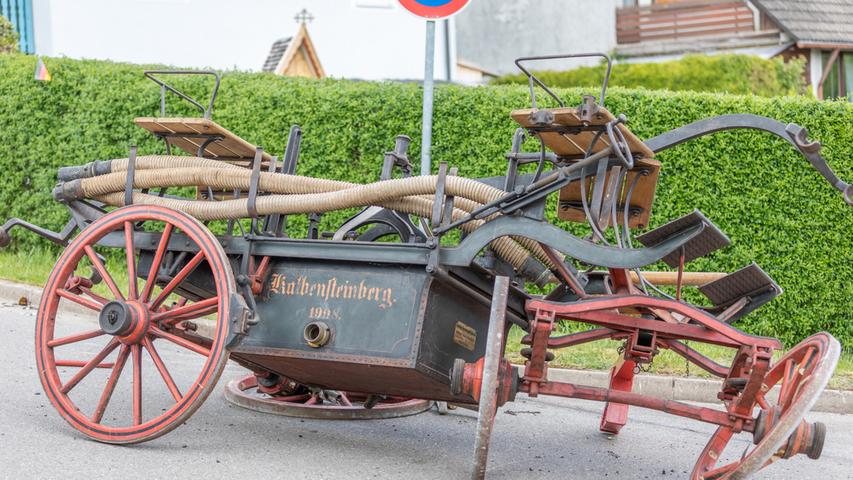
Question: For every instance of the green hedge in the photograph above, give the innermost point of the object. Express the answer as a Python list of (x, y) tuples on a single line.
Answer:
[(737, 74), (777, 210)]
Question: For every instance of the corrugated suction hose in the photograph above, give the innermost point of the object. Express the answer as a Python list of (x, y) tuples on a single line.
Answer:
[(289, 194)]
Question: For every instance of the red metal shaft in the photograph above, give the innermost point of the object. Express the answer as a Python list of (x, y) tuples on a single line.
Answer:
[(680, 409)]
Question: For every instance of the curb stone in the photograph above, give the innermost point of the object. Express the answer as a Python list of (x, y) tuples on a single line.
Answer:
[(669, 388)]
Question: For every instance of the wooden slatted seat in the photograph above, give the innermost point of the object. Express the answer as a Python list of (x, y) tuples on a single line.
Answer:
[(571, 145), (189, 134), (569, 138)]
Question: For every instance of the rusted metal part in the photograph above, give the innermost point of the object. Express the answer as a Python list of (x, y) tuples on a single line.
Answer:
[(579, 338), (244, 392), (564, 274), (467, 379), (615, 415), (535, 368), (707, 328), (568, 390), (260, 276), (488, 398), (695, 357)]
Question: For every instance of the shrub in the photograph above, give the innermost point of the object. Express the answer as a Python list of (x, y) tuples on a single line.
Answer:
[(775, 207), (736, 74), (8, 36)]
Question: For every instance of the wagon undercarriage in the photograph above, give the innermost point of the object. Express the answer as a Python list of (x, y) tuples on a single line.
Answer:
[(343, 316)]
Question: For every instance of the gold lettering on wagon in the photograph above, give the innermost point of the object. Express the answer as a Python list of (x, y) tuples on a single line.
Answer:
[(331, 289), (464, 336)]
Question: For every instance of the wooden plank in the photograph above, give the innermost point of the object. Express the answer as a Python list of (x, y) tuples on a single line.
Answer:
[(707, 26), (694, 34), (185, 144), (676, 6), (642, 197), (216, 149), (659, 22), (682, 17), (694, 279), (574, 144), (230, 147), (180, 125), (689, 20)]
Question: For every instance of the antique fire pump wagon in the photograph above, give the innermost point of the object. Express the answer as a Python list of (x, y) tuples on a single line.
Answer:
[(413, 297)]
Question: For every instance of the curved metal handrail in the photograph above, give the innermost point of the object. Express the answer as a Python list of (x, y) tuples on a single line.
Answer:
[(792, 133), (531, 78), (150, 74), (562, 241)]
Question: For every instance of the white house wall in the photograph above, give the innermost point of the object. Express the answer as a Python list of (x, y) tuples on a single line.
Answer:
[(365, 39), (492, 33)]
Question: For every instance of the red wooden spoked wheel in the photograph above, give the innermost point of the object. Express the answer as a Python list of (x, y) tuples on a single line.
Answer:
[(780, 431), (109, 380)]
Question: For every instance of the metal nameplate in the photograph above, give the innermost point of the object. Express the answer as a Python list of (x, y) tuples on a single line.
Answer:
[(464, 336)]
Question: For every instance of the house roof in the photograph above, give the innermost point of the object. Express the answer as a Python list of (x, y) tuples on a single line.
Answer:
[(295, 56), (276, 52), (812, 23)]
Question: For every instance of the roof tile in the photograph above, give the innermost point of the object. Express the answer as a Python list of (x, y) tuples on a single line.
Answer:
[(815, 21)]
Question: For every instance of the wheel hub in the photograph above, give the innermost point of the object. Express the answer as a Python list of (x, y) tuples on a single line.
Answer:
[(807, 439), (129, 321)]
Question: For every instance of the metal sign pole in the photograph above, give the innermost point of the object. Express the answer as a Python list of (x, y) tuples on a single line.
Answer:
[(426, 129)]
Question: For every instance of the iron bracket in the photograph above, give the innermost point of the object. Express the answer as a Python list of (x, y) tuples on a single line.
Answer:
[(440, 197), (242, 318), (131, 172), (251, 202), (60, 238)]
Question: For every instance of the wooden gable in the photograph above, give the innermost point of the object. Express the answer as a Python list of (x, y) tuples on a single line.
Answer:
[(300, 59)]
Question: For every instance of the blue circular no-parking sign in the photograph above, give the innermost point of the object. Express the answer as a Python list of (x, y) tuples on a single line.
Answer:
[(434, 9)]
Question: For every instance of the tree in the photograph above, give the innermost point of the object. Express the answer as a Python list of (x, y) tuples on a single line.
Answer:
[(8, 36)]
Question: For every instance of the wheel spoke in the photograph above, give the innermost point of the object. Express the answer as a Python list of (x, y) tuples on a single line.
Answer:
[(188, 312), (88, 367), (155, 264), (193, 316), (161, 367), (56, 342), (132, 286), (797, 377), (90, 304), (136, 351), (99, 266), (111, 384), (180, 341), (808, 357), (718, 472), (183, 274), (94, 296), (80, 363), (785, 389)]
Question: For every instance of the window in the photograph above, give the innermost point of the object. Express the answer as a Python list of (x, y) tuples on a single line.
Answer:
[(839, 82)]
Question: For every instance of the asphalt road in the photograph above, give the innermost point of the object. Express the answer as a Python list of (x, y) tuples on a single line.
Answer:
[(541, 438)]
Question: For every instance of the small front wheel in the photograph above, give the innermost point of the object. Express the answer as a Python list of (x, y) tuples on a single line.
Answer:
[(788, 392)]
